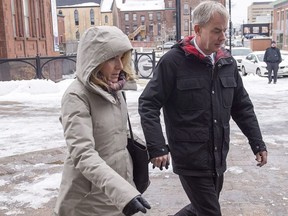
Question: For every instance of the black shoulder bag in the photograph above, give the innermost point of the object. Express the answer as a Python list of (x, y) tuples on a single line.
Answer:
[(140, 159)]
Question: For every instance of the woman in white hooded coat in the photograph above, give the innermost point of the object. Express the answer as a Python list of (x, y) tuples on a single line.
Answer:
[(97, 176)]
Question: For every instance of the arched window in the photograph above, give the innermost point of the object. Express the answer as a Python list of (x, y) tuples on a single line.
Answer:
[(77, 35), (92, 17), (76, 17), (106, 19), (186, 9), (60, 12), (27, 17)]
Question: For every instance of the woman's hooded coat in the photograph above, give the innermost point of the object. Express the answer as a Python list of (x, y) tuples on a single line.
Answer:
[(97, 175)]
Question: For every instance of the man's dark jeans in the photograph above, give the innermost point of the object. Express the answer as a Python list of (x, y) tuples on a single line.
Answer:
[(203, 193)]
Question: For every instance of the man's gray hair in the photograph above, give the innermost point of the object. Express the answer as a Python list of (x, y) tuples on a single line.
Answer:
[(205, 11)]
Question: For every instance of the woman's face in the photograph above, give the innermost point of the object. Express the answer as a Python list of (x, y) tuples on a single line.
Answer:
[(112, 68)]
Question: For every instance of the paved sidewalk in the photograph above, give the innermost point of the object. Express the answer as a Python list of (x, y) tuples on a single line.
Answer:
[(248, 190)]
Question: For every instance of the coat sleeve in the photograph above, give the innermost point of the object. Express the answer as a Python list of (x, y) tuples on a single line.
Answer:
[(243, 114), (78, 132), (151, 101), (265, 56), (280, 57)]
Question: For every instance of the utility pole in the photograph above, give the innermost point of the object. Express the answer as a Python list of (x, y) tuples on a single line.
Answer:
[(230, 26), (271, 24), (190, 21), (178, 20)]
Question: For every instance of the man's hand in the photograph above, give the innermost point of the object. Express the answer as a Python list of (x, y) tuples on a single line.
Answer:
[(261, 157), (161, 161), (137, 204)]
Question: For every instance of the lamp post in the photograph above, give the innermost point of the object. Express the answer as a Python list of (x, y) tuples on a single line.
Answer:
[(230, 25), (190, 21), (178, 20), (271, 22)]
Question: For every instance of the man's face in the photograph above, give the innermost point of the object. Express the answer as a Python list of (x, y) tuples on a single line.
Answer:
[(273, 44), (211, 36)]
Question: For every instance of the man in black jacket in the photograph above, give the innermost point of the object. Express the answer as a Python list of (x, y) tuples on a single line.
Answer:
[(272, 58), (199, 88)]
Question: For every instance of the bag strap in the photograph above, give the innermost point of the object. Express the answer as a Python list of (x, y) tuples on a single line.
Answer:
[(129, 123)]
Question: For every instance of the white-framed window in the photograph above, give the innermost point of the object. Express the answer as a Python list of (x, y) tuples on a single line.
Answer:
[(186, 25), (186, 9), (142, 18), (126, 16), (150, 16), (127, 29), (159, 16), (134, 17)]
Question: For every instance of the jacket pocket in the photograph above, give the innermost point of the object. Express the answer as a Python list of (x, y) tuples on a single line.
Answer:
[(190, 94), (226, 141), (191, 148), (228, 84)]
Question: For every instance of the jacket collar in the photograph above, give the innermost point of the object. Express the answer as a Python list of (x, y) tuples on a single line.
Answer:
[(188, 46)]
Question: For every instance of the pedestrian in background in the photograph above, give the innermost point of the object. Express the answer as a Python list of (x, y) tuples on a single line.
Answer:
[(272, 58), (198, 85), (97, 176), (242, 40)]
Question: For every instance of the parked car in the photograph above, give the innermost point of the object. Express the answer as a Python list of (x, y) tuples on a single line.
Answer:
[(234, 43), (238, 43), (166, 45), (253, 63), (250, 36), (239, 53), (284, 55)]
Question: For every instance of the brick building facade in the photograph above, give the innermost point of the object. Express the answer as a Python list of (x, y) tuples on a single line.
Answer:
[(77, 18), (26, 29), (157, 25), (140, 20), (26, 32), (280, 23)]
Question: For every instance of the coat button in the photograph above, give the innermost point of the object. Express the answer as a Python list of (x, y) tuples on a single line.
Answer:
[(213, 92), (215, 121)]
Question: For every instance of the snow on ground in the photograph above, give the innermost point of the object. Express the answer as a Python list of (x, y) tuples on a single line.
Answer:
[(32, 130), (29, 122)]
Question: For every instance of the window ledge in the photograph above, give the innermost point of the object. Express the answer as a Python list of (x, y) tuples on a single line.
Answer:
[(19, 38), (31, 38)]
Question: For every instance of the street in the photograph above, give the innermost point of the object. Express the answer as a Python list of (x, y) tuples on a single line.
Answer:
[(248, 190)]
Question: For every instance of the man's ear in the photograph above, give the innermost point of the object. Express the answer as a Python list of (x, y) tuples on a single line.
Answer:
[(197, 29)]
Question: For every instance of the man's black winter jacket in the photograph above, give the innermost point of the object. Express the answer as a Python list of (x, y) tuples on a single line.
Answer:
[(197, 100)]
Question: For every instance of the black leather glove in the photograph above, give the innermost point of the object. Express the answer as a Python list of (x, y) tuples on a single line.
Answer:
[(137, 204)]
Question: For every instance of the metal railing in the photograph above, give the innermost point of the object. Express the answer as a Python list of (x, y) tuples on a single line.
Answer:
[(55, 67), (36, 68), (144, 63)]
